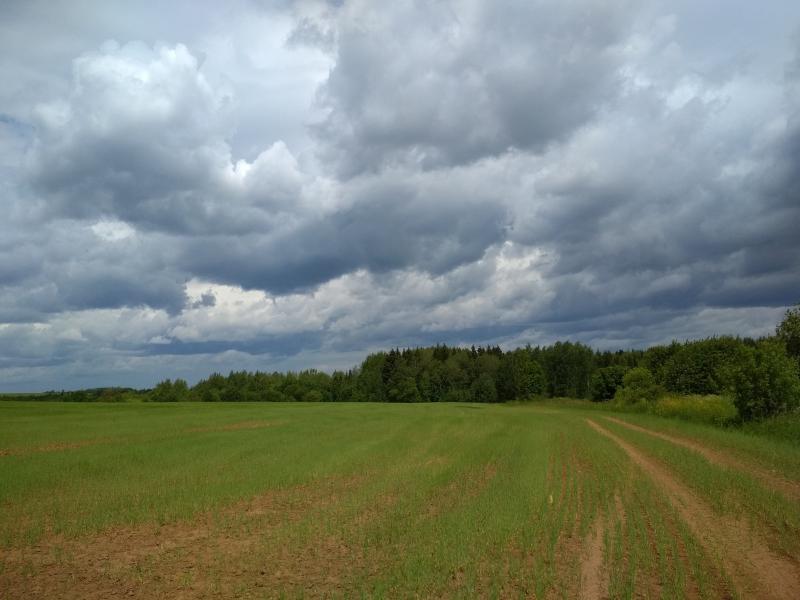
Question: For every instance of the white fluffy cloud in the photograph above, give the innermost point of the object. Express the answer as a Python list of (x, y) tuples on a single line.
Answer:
[(143, 138)]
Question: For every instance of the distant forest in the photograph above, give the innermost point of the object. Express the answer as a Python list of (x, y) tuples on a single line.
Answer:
[(760, 375)]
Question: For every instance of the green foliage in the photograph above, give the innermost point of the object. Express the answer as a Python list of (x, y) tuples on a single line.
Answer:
[(242, 386), (699, 367), (105, 394), (656, 358), (783, 427), (765, 381), (620, 358), (788, 331), (605, 382), (342, 387), (313, 396), (638, 385), (404, 389), (370, 378), (170, 391), (484, 389), (567, 367), (714, 410), (520, 376), (437, 374)]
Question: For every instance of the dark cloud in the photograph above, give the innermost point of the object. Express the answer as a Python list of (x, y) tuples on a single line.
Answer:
[(429, 85), (139, 139), (680, 227), (275, 346), (387, 227)]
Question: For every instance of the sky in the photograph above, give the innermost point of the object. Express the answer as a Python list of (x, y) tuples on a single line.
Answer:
[(191, 187)]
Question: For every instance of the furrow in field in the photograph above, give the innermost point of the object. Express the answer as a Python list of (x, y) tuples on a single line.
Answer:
[(755, 569), (712, 455), (594, 583)]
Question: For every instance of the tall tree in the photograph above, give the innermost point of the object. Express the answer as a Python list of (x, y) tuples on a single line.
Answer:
[(788, 330)]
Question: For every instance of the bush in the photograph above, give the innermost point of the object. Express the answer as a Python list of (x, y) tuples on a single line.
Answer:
[(699, 367), (765, 382), (656, 358), (638, 385), (313, 396), (715, 410), (604, 382)]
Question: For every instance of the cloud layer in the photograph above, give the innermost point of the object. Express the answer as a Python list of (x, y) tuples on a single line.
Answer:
[(294, 184)]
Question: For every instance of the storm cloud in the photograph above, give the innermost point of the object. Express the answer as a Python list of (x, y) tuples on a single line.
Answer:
[(438, 84), (294, 184)]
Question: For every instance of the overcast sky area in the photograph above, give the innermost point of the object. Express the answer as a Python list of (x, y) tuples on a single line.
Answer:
[(190, 187)]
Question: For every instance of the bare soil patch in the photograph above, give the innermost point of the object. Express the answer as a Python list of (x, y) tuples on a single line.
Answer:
[(756, 570), (247, 550), (54, 447), (718, 457), (594, 583), (240, 426)]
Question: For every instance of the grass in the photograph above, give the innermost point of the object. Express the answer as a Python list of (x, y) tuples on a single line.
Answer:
[(728, 490), (264, 500), (784, 427), (770, 452), (714, 410)]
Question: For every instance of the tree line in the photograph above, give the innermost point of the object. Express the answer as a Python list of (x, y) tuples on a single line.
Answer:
[(761, 375)]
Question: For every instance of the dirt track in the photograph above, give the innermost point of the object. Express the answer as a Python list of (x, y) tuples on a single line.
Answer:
[(789, 488), (756, 570)]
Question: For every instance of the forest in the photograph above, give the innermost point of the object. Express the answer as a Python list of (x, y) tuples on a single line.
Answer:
[(760, 376)]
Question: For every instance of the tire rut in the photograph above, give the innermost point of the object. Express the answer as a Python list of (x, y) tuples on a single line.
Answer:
[(754, 568), (787, 487), (594, 583)]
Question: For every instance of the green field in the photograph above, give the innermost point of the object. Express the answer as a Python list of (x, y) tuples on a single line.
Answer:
[(381, 500)]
